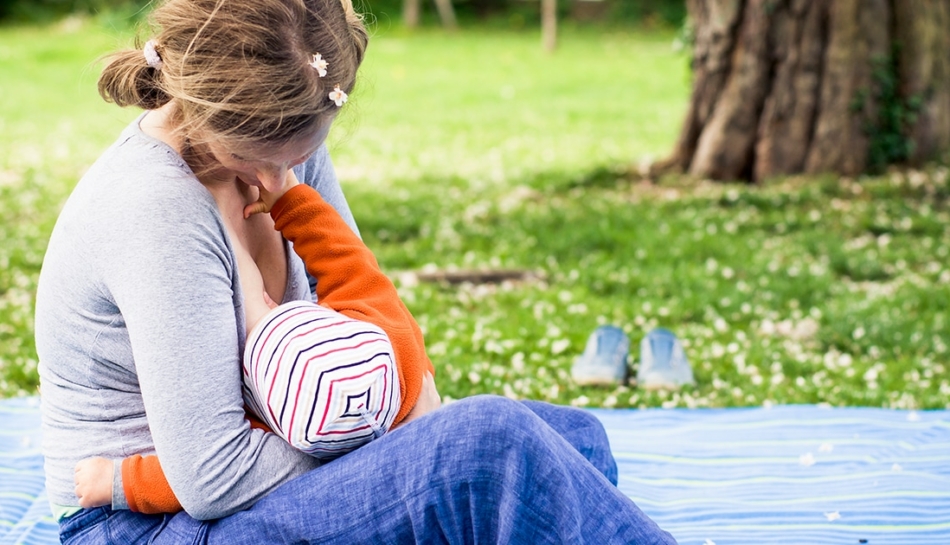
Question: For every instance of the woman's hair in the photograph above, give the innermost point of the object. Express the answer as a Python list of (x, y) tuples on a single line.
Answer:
[(240, 69)]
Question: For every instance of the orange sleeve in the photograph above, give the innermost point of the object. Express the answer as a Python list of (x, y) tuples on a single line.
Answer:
[(145, 486), (350, 281)]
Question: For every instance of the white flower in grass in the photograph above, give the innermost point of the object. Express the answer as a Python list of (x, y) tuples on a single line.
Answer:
[(338, 96), (807, 459), (720, 325), (320, 65), (833, 516), (581, 401), (560, 346), (826, 447), (897, 468)]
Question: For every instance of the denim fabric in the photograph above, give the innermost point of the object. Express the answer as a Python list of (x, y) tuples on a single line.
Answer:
[(481, 470)]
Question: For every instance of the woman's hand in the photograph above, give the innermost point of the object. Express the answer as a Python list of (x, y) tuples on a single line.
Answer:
[(268, 198), (93, 480), (429, 400)]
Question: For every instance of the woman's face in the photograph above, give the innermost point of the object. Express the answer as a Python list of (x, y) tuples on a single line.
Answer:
[(266, 166)]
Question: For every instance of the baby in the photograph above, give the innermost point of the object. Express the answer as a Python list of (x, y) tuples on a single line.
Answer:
[(325, 377), (324, 382)]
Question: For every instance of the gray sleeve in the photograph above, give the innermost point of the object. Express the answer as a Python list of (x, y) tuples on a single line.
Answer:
[(170, 272), (318, 173)]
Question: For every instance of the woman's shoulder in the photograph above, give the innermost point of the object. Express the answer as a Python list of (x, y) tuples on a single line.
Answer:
[(140, 189), (137, 156), (141, 174)]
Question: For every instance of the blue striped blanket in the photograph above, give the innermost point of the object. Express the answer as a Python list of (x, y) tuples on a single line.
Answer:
[(785, 475)]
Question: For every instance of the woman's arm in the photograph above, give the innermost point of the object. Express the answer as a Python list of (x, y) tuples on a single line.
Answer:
[(143, 484)]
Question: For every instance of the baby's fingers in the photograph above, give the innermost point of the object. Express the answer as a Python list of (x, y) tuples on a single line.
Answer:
[(258, 207)]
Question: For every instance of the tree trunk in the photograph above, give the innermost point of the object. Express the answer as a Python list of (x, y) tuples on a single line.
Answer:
[(549, 25), (446, 14), (410, 13), (921, 29), (789, 86)]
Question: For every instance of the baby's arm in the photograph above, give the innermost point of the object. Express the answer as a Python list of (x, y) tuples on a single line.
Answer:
[(144, 484)]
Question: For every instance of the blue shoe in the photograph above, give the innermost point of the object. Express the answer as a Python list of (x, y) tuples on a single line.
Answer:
[(604, 361), (663, 364)]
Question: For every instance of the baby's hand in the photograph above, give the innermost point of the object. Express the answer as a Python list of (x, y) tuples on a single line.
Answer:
[(94, 482), (429, 400), (268, 198)]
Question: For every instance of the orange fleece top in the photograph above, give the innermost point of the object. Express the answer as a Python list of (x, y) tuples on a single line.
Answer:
[(350, 282)]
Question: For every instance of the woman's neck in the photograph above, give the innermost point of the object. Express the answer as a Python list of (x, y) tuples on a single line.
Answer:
[(159, 124)]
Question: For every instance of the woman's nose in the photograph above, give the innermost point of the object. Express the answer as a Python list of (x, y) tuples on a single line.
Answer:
[(272, 179)]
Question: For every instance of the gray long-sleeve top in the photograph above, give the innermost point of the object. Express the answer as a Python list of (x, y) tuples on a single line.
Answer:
[(140, 327)]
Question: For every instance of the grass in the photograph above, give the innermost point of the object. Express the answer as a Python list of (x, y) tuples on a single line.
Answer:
[(476, 150)]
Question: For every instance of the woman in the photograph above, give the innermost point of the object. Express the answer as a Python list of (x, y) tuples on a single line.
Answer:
[(140, 320)]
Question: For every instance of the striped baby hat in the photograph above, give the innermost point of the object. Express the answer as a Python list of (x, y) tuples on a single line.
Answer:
[(324, 382)]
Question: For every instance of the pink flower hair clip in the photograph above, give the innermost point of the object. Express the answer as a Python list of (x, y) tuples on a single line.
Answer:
[(338, 96), (152, 58), (319, 64)]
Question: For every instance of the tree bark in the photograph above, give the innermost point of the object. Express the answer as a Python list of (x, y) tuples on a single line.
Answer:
[(789, 86), (446, 14), (549, 25), (857, 34), (923, 38), (785, 129), (410, 12)]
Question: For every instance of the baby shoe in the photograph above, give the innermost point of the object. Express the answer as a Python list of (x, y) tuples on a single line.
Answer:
[(604, 361), (663, 364)]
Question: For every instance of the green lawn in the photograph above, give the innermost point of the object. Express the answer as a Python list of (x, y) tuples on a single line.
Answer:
[(477, 150)]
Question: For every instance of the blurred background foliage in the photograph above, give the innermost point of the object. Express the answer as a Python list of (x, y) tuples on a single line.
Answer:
[(514, 13), (40, 11), (810, 289)]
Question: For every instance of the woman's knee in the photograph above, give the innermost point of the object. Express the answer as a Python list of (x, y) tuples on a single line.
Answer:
[(566, 419), (584, 431), (485, 433), (485, 428), (488, 416)]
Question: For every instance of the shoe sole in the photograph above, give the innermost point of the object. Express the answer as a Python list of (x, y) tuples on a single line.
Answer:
[(597, 381)]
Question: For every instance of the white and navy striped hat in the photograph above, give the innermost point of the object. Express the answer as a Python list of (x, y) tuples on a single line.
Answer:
[(324, 382)]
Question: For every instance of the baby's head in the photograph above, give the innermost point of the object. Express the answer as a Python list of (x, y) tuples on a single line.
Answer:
[(243, 73), (324, 382)]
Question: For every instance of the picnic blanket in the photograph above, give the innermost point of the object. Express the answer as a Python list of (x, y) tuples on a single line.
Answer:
[(796, 475)]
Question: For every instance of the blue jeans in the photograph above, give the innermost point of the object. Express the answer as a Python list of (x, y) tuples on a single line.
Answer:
[(481, 470)]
